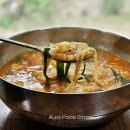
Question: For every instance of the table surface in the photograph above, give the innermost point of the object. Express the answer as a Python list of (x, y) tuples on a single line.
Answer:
[(12, 121)]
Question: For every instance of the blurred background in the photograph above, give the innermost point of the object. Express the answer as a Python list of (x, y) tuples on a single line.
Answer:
[(22, 15)]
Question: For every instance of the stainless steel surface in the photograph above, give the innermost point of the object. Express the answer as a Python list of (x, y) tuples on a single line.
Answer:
[(5, 40), (98, 107)]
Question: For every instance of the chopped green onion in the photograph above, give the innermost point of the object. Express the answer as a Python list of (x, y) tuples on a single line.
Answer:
[(84, 68), (46, 58), (60, 70), (87, 76), (119, 78), (67, 69)]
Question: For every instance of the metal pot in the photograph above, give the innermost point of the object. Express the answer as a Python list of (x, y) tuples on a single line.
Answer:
[(67, 110)]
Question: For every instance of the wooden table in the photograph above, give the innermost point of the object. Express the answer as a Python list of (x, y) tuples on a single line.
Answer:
[(12, 121)]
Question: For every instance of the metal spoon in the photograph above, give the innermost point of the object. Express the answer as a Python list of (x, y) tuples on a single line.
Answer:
[(30, 46), (21, 44)]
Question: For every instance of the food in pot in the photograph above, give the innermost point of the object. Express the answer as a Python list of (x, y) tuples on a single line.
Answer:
[(67, 67)]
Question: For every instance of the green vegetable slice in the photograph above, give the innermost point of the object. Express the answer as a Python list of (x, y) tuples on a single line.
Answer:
[(46, 63)]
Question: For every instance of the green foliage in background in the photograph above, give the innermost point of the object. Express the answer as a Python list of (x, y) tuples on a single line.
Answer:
[(40, 13), (112, 7), (28, 9), (39, 7)]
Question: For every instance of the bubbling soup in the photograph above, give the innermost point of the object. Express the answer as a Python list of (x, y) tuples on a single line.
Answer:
[(67, 67)]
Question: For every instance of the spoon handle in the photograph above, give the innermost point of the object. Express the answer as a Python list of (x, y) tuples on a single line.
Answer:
[(20, 44)]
